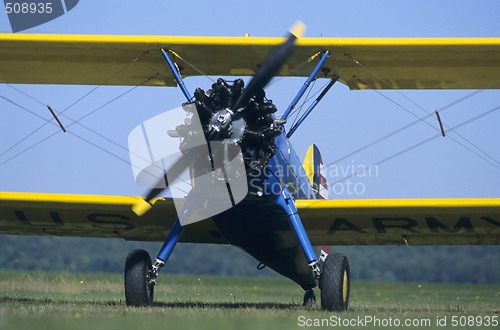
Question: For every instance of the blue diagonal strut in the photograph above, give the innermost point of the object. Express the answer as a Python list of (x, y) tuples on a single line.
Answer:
[(177, 76)]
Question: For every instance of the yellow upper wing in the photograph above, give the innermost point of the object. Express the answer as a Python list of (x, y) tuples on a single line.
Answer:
[(420, 63), (334, 222), (402, 221)]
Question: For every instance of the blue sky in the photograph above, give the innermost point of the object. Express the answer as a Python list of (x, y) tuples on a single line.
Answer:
[(343, 122)]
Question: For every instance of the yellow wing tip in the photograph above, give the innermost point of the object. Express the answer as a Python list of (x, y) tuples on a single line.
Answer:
[(141, 207), (298, 29)]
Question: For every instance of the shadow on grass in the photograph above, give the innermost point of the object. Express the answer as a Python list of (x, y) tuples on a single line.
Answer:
[(227, 305), (164, 305), (375, 308), (44, 301)]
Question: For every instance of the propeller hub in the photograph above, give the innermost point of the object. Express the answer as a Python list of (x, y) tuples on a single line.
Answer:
[(229, 129), (221, 121)]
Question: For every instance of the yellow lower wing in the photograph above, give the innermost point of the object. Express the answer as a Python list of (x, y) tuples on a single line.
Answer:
[(328, 222), (95, 216), (402, 221)]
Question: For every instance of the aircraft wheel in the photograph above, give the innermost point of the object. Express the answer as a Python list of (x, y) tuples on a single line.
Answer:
[(309, 299), (334, 283), (138, 291)]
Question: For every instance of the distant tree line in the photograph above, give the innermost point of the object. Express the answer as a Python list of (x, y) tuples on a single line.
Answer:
[(454, 264)]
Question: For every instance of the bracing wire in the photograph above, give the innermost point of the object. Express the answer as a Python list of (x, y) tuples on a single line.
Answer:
[(421, 143), (77, 121), (70, 106), (306, 99), (481, 153), (191, 65)]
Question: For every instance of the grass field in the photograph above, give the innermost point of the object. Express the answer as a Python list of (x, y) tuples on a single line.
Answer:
[(96, 301)]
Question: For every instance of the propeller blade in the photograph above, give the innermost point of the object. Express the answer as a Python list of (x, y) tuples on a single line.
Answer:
[(271, 66), (176, 169)]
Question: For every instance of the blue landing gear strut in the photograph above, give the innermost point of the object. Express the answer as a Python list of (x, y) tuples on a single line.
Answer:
[(166, 250), (333, 276), (285, 200)]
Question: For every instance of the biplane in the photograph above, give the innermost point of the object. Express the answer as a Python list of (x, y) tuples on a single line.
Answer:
[(246, 185)]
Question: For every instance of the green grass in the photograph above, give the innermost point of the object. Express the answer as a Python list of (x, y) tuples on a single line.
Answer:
[(96, 301)]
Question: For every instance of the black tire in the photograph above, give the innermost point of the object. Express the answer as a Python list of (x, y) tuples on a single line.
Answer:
[(334, 283), (309, 299), (138, 291)]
